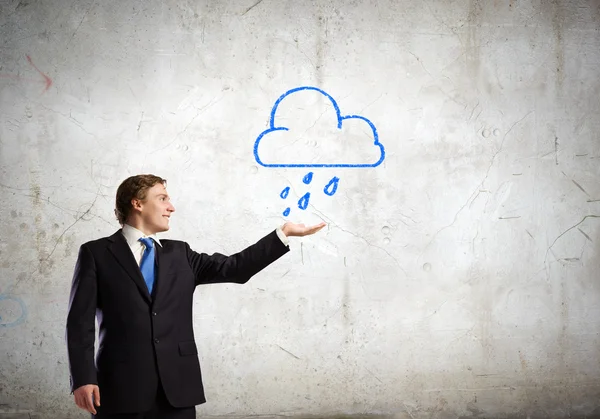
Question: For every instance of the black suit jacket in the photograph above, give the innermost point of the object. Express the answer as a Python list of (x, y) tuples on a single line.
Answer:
[(144, 338)]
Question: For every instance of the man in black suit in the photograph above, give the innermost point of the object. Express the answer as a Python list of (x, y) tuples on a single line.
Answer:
[(140, 289)]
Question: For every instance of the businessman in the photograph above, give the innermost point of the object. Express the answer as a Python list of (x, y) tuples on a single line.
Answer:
[(140, 290)]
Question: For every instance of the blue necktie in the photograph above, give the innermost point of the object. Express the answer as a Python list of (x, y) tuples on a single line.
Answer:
[(147, 264)]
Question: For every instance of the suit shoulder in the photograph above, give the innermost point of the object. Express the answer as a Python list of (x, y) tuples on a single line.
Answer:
[(175, 244), (100, 242)]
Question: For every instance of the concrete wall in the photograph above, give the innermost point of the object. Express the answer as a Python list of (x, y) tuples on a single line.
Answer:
[(457, 278)]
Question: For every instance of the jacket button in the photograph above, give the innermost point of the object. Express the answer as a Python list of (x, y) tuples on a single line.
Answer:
[(154, 313), (156, 340)]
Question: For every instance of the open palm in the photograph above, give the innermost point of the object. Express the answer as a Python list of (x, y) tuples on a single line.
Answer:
[(293, 229)]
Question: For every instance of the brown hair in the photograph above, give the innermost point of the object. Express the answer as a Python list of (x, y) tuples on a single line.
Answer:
[(134, 187)]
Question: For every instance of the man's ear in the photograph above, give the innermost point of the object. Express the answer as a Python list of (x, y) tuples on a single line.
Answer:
[(136, 204)]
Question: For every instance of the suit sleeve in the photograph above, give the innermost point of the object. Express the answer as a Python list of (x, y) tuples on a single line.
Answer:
[(239, 267), (80, 330)]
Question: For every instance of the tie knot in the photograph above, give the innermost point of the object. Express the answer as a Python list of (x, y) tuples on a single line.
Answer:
[(147, 241)]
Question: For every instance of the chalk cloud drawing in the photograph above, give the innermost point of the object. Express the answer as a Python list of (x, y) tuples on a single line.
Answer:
[(339, 122), (8, 304), (360, 132)]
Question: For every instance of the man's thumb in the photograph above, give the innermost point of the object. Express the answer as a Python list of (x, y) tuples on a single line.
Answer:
[(97, 396)]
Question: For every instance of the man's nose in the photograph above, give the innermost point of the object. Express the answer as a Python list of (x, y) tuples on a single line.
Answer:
[(171, 207)]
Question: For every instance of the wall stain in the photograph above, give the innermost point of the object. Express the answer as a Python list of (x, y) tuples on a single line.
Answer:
[(38, 208), (321, 27), (346, 302), (69, 245), (559, 50), (523, 362), (472, 46)]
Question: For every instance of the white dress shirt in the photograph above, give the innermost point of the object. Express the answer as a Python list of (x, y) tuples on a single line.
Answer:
[(133, 235), (282, 236)]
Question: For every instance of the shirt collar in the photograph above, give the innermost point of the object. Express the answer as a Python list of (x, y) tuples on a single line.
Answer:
[(132, 235)]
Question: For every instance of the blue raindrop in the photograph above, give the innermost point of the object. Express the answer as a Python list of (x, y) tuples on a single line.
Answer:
[(332, 186), (308, 178), (284, 194), (303, 202), (286, 212)]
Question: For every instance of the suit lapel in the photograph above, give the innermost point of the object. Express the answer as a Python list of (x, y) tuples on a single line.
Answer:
[(121, 251)]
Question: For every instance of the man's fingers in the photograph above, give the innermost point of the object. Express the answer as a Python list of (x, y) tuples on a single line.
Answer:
[(86, 396), (97, 396), (314, 229), (291, 229), (81, 403), (89, 403)]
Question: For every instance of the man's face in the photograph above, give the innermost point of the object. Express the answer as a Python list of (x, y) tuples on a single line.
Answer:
[(155, 210)]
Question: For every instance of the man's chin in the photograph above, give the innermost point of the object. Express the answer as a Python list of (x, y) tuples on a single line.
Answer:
[(162, 228)]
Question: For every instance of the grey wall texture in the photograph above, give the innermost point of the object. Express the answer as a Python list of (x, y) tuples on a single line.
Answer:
[(458, 274)]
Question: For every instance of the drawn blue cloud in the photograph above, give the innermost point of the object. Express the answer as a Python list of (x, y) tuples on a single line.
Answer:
[(20, 319), (340, 119)]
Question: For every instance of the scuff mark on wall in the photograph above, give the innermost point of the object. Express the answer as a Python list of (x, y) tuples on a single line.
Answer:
[(473, 41), (559, 51)]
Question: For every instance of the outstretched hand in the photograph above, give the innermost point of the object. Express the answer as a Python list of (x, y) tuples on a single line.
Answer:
[(292, 229)]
